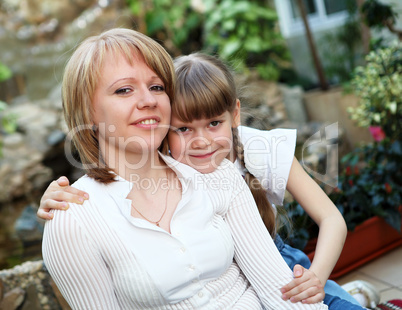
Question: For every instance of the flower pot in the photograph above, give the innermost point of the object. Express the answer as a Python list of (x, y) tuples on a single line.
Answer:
[(369, 240)]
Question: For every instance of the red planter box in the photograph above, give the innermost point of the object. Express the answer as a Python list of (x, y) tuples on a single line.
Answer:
[(369, 240)]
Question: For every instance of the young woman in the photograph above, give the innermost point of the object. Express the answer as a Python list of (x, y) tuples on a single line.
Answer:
[(155, 234)]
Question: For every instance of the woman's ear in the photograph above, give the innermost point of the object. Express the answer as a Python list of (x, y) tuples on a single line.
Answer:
[(236, 115)]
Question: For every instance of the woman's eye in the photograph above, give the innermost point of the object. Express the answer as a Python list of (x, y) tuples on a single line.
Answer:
[(158, 88), (123, 91), (214, 123)]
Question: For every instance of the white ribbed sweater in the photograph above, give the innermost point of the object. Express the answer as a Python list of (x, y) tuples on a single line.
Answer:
[(102, 258)]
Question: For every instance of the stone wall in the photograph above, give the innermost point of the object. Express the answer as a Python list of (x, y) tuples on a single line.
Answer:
[(36, 39), (29, 287)]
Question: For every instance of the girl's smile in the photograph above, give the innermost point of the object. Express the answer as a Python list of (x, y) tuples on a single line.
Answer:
[(203, 143)]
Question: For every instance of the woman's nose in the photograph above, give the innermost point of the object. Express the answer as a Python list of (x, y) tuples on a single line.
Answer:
[(147, 100)]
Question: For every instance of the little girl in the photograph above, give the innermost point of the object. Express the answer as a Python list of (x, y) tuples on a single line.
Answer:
[(205, 130)]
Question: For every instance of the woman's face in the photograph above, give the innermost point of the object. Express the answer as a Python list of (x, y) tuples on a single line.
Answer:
[(131, 108)]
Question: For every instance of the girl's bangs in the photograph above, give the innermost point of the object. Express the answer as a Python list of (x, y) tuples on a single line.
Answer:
[(200, 98)]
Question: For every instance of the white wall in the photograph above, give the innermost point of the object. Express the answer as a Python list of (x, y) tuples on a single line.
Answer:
[(320, 25)]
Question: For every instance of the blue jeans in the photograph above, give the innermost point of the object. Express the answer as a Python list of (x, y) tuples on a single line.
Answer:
[(336, 298)]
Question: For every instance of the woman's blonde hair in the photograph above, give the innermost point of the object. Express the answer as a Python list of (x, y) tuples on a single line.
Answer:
[(205, 88), (80, 80)]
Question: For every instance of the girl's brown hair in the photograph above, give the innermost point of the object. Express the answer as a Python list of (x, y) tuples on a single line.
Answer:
[(205, 88), (80, 80)]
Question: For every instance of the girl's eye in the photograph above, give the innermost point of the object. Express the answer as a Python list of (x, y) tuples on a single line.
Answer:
[(123, 91), (214, 123), (182, 129), (159, 88)]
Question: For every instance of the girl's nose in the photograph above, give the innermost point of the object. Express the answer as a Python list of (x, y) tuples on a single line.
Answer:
[(147, 100), (201, 141)]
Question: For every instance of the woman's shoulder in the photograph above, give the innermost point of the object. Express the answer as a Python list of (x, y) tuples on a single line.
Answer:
[(90, 186), (86, 183)]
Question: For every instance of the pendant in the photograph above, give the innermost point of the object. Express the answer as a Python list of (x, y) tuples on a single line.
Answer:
[(157, 224)]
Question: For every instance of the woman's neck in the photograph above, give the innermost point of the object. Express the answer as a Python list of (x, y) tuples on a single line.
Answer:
[(136, 165)]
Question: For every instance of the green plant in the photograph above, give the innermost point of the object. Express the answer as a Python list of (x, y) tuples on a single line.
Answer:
[(246, 31), (8, 122), (379, 87), (380, 15), (342, 48), (297, 227), (5, 72), (243, 32), (173, 22), (370, 184)]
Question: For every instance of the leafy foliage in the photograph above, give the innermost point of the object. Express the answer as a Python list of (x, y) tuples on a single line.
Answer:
[(8, 122), (247, 31), (244, 32), (377, 13), (342, 48), (297, 227), (379, 87), (5, 72), (174, 22), (370, 184)]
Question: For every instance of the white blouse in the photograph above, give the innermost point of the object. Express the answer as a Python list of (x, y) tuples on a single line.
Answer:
[(103, 258)]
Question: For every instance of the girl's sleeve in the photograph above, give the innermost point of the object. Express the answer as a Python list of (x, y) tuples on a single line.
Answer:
[(268, 155), (75, 264), (256, 253)]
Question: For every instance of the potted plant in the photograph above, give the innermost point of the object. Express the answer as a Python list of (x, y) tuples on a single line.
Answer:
[(369, 191), (379, 87), (369, 196)]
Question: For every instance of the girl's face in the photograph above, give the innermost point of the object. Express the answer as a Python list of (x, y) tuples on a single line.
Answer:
[(203, 144), (131, 108)]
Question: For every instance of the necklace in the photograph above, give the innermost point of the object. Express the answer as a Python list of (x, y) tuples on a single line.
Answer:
[(164, 211)]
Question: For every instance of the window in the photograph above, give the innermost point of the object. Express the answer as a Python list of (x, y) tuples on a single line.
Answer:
[(332, 6), (322, 14), (308, 4)]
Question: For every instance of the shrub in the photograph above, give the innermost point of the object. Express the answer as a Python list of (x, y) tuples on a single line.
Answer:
[(244, 32), (379, 87), (370, 184)]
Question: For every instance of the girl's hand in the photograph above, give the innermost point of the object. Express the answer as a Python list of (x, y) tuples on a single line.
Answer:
[(306, 287), (57, 196)]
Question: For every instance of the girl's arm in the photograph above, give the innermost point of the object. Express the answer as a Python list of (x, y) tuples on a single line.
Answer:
[(57, 196), (332, 226), (256, 253)]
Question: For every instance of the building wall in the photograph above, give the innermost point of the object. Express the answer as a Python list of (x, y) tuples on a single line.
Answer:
[(321, 26)]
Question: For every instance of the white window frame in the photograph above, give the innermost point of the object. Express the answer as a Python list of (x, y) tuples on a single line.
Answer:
[(319, 21)]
